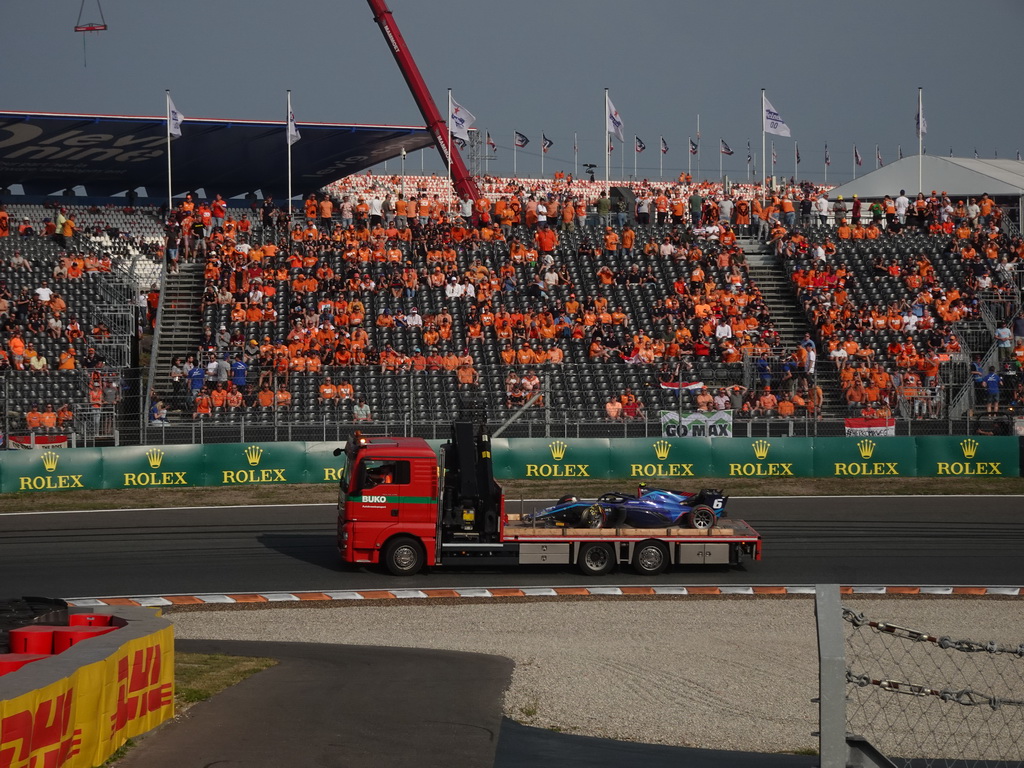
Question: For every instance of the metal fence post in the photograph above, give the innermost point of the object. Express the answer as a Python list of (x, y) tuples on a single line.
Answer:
[(828, 613)]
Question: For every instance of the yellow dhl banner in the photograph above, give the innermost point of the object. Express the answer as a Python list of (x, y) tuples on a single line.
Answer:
[(78, 722)]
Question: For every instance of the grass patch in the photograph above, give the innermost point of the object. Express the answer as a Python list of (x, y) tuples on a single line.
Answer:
[(199, 676)]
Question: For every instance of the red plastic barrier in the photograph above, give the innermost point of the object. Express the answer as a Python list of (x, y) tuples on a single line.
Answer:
[(35, 638), (65, 637), (89, 620), (9, 662)]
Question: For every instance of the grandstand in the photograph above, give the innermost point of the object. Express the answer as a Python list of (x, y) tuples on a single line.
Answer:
[(269, 328)]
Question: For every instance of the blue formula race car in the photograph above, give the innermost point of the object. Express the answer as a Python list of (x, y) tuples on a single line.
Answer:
[(649, 508)]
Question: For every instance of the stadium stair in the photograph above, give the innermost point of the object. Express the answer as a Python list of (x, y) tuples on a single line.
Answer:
[(766, 270), (181, 320)]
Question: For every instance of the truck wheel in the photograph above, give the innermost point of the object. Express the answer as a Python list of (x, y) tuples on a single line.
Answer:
[(702, 516), (650, 558), (596, 559), (403, 557)]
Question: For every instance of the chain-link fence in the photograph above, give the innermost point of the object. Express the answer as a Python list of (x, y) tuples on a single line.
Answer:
[(108, 406), (925, 699)]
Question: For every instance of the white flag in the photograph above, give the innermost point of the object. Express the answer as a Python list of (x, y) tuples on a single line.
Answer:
[(461, 121), (174, 118), (293, 129), (922, 124), (614, 121), (773, 122)]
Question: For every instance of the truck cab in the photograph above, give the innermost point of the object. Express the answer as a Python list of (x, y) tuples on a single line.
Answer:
[(401, 502)]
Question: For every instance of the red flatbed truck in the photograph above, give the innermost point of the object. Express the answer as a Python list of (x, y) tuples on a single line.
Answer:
[(406, 506)]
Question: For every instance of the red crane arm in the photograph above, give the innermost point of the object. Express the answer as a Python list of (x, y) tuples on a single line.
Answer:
[(465, 185)]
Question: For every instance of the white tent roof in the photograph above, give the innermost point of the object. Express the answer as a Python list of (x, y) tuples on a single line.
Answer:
[(958, 176)]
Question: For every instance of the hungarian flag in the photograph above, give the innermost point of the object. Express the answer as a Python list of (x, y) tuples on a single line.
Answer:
[(640, 146), (866, 427), (521, 140), (724, 149)]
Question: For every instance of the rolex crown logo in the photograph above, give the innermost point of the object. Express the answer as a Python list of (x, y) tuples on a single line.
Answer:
[(155, 457), (866, 448), (761, 449), (661, 449), (50, 460), (558, 448), (253, 454), (969, 447)]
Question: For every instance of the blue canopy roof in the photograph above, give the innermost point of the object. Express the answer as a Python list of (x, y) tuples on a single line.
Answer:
[(108, 154)]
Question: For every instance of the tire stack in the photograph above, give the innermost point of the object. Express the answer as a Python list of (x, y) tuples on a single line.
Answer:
[(22, 611)]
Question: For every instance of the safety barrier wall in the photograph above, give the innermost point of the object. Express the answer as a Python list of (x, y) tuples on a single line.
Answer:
[(76, 708), (234, 464)]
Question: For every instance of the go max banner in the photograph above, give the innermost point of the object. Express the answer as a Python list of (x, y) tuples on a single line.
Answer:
[(698, 424)]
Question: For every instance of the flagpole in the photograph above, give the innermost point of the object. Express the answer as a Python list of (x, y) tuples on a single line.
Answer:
[(796, 161), (698, 149), (543, 152), (773, 158), (764, 179), (825, 160), (661, 158), (604, 130), (515, 155), (170, 193), (575, 156), (689, 155), (288, 140), (634, 157), (720, 159), (448, 122), (855, 161), (920, 139)]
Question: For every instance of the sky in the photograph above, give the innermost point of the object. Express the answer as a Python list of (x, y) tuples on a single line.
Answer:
[(838, 73)]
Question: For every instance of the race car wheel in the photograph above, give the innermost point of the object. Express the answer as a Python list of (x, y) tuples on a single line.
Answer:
[(403, 557), (650, 558), (596, 559), (592, 517), (702, 516)]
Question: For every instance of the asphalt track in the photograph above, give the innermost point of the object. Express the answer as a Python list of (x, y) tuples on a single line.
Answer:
[(916, 541)]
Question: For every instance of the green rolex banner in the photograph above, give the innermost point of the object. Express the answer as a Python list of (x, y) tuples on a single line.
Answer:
[(548, 459), (154, 466), (762, 457), (865, 457), (63, 469), (968, 456), (661, 461), (255, 463)]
